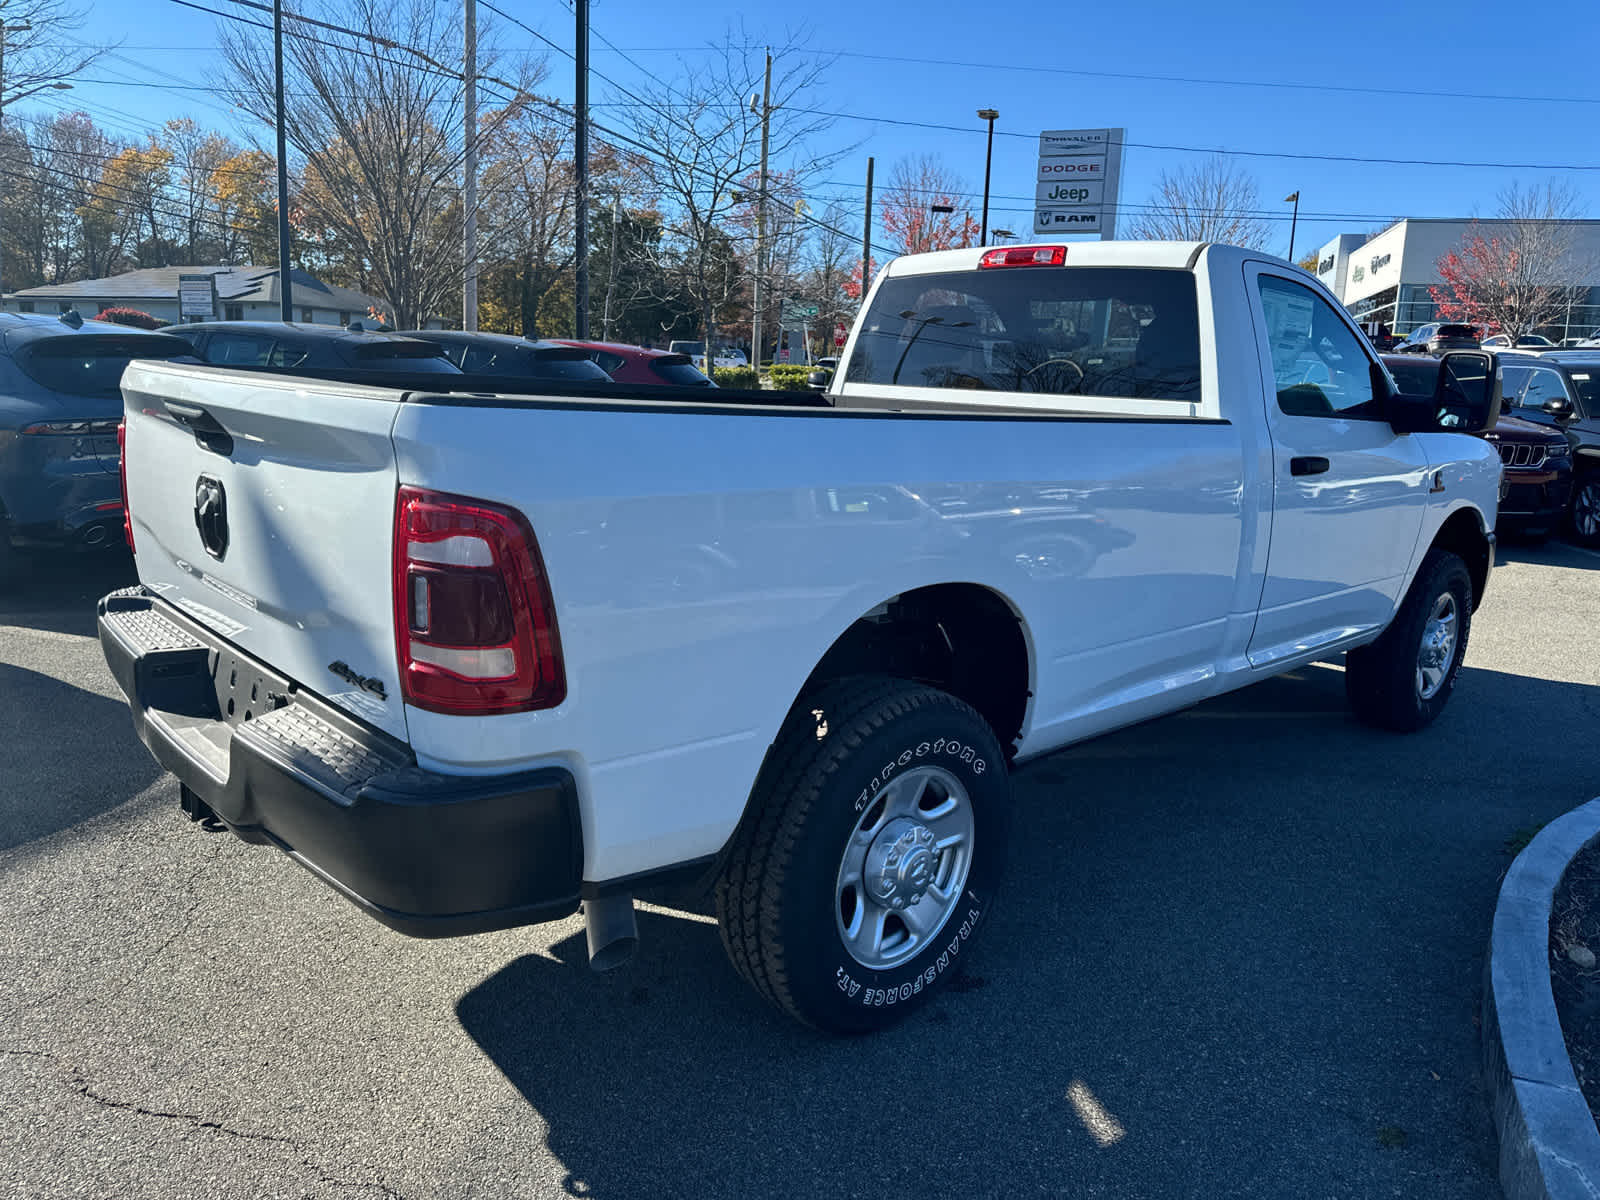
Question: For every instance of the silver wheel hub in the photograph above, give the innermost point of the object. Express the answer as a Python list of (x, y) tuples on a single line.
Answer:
[(904, 867), (1437, 653), (902, 862)]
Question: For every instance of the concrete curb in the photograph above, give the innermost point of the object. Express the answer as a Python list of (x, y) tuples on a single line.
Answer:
[(1549, 1146)]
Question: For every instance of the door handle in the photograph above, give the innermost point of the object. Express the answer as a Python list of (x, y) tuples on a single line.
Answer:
[(1307, 465), (207, 430)]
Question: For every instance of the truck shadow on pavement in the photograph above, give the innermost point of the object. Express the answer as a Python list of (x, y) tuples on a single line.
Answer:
[(1238, 951), (56, 592), (95, 761)]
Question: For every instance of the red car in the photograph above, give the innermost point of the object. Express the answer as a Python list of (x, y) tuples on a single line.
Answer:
[(635, 364)]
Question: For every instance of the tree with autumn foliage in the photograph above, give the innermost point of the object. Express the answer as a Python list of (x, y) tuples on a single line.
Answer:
[(917, 186), (1519, 270)]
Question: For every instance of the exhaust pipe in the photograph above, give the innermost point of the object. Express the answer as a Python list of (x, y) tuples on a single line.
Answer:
[(94, 535), (612, 932)]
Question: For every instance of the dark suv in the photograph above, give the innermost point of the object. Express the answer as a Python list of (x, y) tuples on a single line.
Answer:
[(1562, 393), (1536, 478), (1439, 337), (310, 347), (505, 354), (60, 405)]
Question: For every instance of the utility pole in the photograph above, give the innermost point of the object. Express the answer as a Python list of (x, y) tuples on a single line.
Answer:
[(469, 188), (761, 215), (19, 27), (284, 289), (866, 239), (580, 145), (56, 85), (611, 272)]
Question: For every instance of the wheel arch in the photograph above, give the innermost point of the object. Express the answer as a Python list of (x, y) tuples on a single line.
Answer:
[(964, 638), (1464, 534)]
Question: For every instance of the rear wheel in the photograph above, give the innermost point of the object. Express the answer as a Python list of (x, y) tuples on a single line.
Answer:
[(876, 848), (1403, 680), (1584, 519)]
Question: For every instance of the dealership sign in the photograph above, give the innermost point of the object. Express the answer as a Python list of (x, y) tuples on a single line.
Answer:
[(1076, 182)]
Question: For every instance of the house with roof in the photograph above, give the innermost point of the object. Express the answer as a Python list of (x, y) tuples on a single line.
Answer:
[(232, 293)]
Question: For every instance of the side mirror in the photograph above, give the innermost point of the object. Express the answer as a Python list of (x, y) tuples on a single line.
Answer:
[(1559, 407), (818, 380), (1465, 399)]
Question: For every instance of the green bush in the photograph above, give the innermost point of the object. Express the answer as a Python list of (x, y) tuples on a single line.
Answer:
[(736, 377), (793, 377)]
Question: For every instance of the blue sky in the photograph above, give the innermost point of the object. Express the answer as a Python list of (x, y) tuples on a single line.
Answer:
[(1078, 60)]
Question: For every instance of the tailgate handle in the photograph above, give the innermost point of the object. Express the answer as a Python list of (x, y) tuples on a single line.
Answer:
[(207, 430)]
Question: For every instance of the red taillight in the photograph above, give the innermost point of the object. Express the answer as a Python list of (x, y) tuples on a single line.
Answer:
[(1025, 256), (474, 624), (122, 475)]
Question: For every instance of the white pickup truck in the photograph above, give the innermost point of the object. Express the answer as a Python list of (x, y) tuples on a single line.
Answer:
[(478, 658)]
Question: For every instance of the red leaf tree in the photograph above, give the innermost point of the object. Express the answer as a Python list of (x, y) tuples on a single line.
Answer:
[(1518, 271), (918, 186)]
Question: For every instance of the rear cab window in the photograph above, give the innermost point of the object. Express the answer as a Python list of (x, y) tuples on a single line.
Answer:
[(91, 364), (1103, 339)]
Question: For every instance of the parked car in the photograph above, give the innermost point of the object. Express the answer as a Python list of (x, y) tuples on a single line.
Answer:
[(505, 354), (1536, 486), (493, 658), (724, 356), (1528, 341), (1561, 391), (1438, 338), (292, 345), (60, 408), (637, 364)]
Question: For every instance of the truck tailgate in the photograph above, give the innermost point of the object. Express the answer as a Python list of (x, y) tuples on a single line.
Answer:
[(265, 511)]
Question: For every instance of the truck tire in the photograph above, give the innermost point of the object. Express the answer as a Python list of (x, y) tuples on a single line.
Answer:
[(1403, 680), (873, 783), (1583, 516)]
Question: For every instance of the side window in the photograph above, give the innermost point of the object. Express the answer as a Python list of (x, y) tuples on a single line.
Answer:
[(1318, 363), (1512, 382), (1543, 386), (287, 354), (608, 362), (1587, 384), (237, 350)]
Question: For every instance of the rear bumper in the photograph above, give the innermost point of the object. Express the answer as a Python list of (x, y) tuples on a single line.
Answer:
[(429, 855)]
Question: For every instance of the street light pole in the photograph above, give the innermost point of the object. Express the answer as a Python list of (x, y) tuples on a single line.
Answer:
[(989, 115), (284, 291), (580, 154), (1293, 220), (469, 169), (761, 215)]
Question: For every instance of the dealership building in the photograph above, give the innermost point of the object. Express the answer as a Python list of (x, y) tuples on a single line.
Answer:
[(1386, 278)]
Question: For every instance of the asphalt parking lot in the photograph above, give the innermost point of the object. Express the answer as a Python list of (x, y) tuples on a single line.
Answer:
[(1239, 955)]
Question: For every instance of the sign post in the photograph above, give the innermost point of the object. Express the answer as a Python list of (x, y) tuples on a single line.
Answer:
[(197, 297), (1078, 181)]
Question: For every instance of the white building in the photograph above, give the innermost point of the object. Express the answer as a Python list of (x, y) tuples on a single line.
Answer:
[(239, 294), (1386, 278)]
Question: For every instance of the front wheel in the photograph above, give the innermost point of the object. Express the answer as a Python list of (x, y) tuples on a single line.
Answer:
[(1584, 519), (876, 848), (1403, 680)]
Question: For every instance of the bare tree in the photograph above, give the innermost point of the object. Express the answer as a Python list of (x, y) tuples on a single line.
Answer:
[(704, 139), (379, 133), (38, 52), (1520, 269), (1213, 201), (918, 186)]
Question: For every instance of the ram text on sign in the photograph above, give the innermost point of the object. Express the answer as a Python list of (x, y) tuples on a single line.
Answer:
[(1066, 220)]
